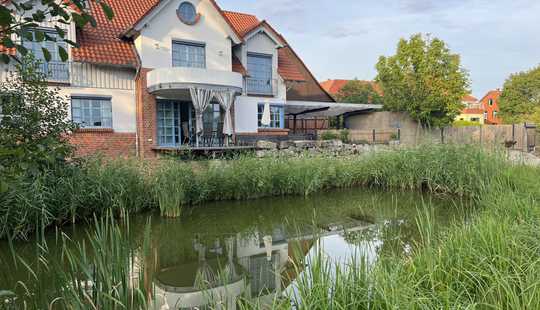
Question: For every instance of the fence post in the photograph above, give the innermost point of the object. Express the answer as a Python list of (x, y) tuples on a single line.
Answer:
[(513, 135), (481, 134), (399, 134), (373, 136), (442, 135)]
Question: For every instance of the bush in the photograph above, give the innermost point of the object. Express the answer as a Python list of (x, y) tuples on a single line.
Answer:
[(329, 135)]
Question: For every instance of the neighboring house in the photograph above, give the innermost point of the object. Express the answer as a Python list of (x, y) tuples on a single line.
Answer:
[(333, 87), (142, 82), (472, 111), (490, 105)]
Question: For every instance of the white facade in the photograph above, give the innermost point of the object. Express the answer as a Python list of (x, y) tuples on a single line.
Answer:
[(153, 38)]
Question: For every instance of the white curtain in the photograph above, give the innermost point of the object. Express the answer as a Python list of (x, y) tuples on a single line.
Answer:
[(226, 100), (265, 119), (201, 99)]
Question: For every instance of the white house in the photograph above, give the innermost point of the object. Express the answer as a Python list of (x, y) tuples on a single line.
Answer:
[(173, 73)]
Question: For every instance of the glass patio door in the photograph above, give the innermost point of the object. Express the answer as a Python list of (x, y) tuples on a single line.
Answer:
[(169, 129)]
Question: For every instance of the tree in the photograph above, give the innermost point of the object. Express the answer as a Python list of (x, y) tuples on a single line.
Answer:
[(34, 123), (359, 92), (520, 98), (18, 17), (424, 79)]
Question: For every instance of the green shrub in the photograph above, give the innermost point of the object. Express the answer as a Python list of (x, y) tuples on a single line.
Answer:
[(329, 135), (344, 136)]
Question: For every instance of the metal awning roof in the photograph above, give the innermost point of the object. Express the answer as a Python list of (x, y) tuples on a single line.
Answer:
[(326, 109)]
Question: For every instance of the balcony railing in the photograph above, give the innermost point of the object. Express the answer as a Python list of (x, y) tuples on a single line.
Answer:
[(77, 74), (266, 87)]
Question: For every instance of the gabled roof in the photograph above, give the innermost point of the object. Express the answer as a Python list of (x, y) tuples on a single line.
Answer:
[(104, 44)]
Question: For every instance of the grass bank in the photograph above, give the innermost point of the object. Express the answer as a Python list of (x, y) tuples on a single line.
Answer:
[(490, 262), (77, 192)]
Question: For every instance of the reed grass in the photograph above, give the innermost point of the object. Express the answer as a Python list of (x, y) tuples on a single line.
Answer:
[(76, 192), (489, 262)]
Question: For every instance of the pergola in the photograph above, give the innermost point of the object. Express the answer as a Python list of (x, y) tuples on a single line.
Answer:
[(308, 109)]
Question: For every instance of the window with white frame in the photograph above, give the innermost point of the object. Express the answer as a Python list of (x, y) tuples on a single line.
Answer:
[(92, 112), (276, 116), (494, 114), (485, 114), (188, 54)]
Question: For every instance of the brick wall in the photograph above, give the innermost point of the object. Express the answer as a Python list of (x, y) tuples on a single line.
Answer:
[(106, 142), (146, 116)]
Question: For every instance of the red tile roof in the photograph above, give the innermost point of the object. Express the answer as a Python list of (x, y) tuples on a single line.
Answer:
[(237, 66), (103, 44), (470, 99), (472, 111), (333, 87), (243, 23)]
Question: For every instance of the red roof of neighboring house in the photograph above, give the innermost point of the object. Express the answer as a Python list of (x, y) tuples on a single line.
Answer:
[(472, 111), (333, 87), (470, 99)]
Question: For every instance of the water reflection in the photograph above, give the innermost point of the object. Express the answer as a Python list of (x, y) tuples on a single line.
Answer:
[(222, 252)]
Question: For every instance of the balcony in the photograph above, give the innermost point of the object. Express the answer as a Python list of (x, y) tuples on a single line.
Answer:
[(172, 82), (262, 87), (76, 74)]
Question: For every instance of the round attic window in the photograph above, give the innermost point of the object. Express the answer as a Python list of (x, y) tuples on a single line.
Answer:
[(187, 13)]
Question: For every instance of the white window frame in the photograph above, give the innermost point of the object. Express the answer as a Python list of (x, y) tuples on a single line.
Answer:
[(80, 118), (188, 63)]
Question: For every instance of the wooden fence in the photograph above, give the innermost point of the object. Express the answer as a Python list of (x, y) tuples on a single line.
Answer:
[(521, 137)]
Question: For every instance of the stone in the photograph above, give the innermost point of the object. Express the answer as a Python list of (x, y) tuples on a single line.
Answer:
[(266, 145), (304, 144), (283, 145)]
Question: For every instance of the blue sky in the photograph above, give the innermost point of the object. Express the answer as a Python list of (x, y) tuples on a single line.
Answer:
[(344, 38)]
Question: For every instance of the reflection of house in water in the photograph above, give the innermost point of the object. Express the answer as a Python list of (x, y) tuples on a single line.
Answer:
[(226, 268)]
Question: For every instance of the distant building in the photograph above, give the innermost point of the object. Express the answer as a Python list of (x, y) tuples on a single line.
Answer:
[(333, 87), (472, 112), (490, 105)]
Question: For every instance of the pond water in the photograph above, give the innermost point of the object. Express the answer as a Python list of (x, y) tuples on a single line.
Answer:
[(252, 249)]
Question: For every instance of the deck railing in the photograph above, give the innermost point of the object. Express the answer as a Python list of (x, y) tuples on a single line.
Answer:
[(79, 74)]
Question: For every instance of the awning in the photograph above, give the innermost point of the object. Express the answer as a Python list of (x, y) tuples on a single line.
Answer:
[(302, 109)]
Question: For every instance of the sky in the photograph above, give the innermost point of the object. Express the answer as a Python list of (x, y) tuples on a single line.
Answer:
[(343, 39)]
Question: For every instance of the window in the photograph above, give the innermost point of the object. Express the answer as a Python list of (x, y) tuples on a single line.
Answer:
[(92, 112), (485, 114), (260, 74), (187, 13), (494, 114), (490, 102), (187, 54), (475, 119), (276, 116), (55, 69), (212, 118)]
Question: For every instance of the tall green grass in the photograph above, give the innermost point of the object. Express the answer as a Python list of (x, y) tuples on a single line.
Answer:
[(490, 262), (107, 271), (76, 192)]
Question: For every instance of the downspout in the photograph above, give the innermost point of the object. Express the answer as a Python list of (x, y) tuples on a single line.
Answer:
[(137, 112)]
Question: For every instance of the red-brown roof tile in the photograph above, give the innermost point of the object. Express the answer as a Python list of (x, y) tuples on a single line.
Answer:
[(237, 66), (333, 87), (242, 22), (102, 44), (470, 99)]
